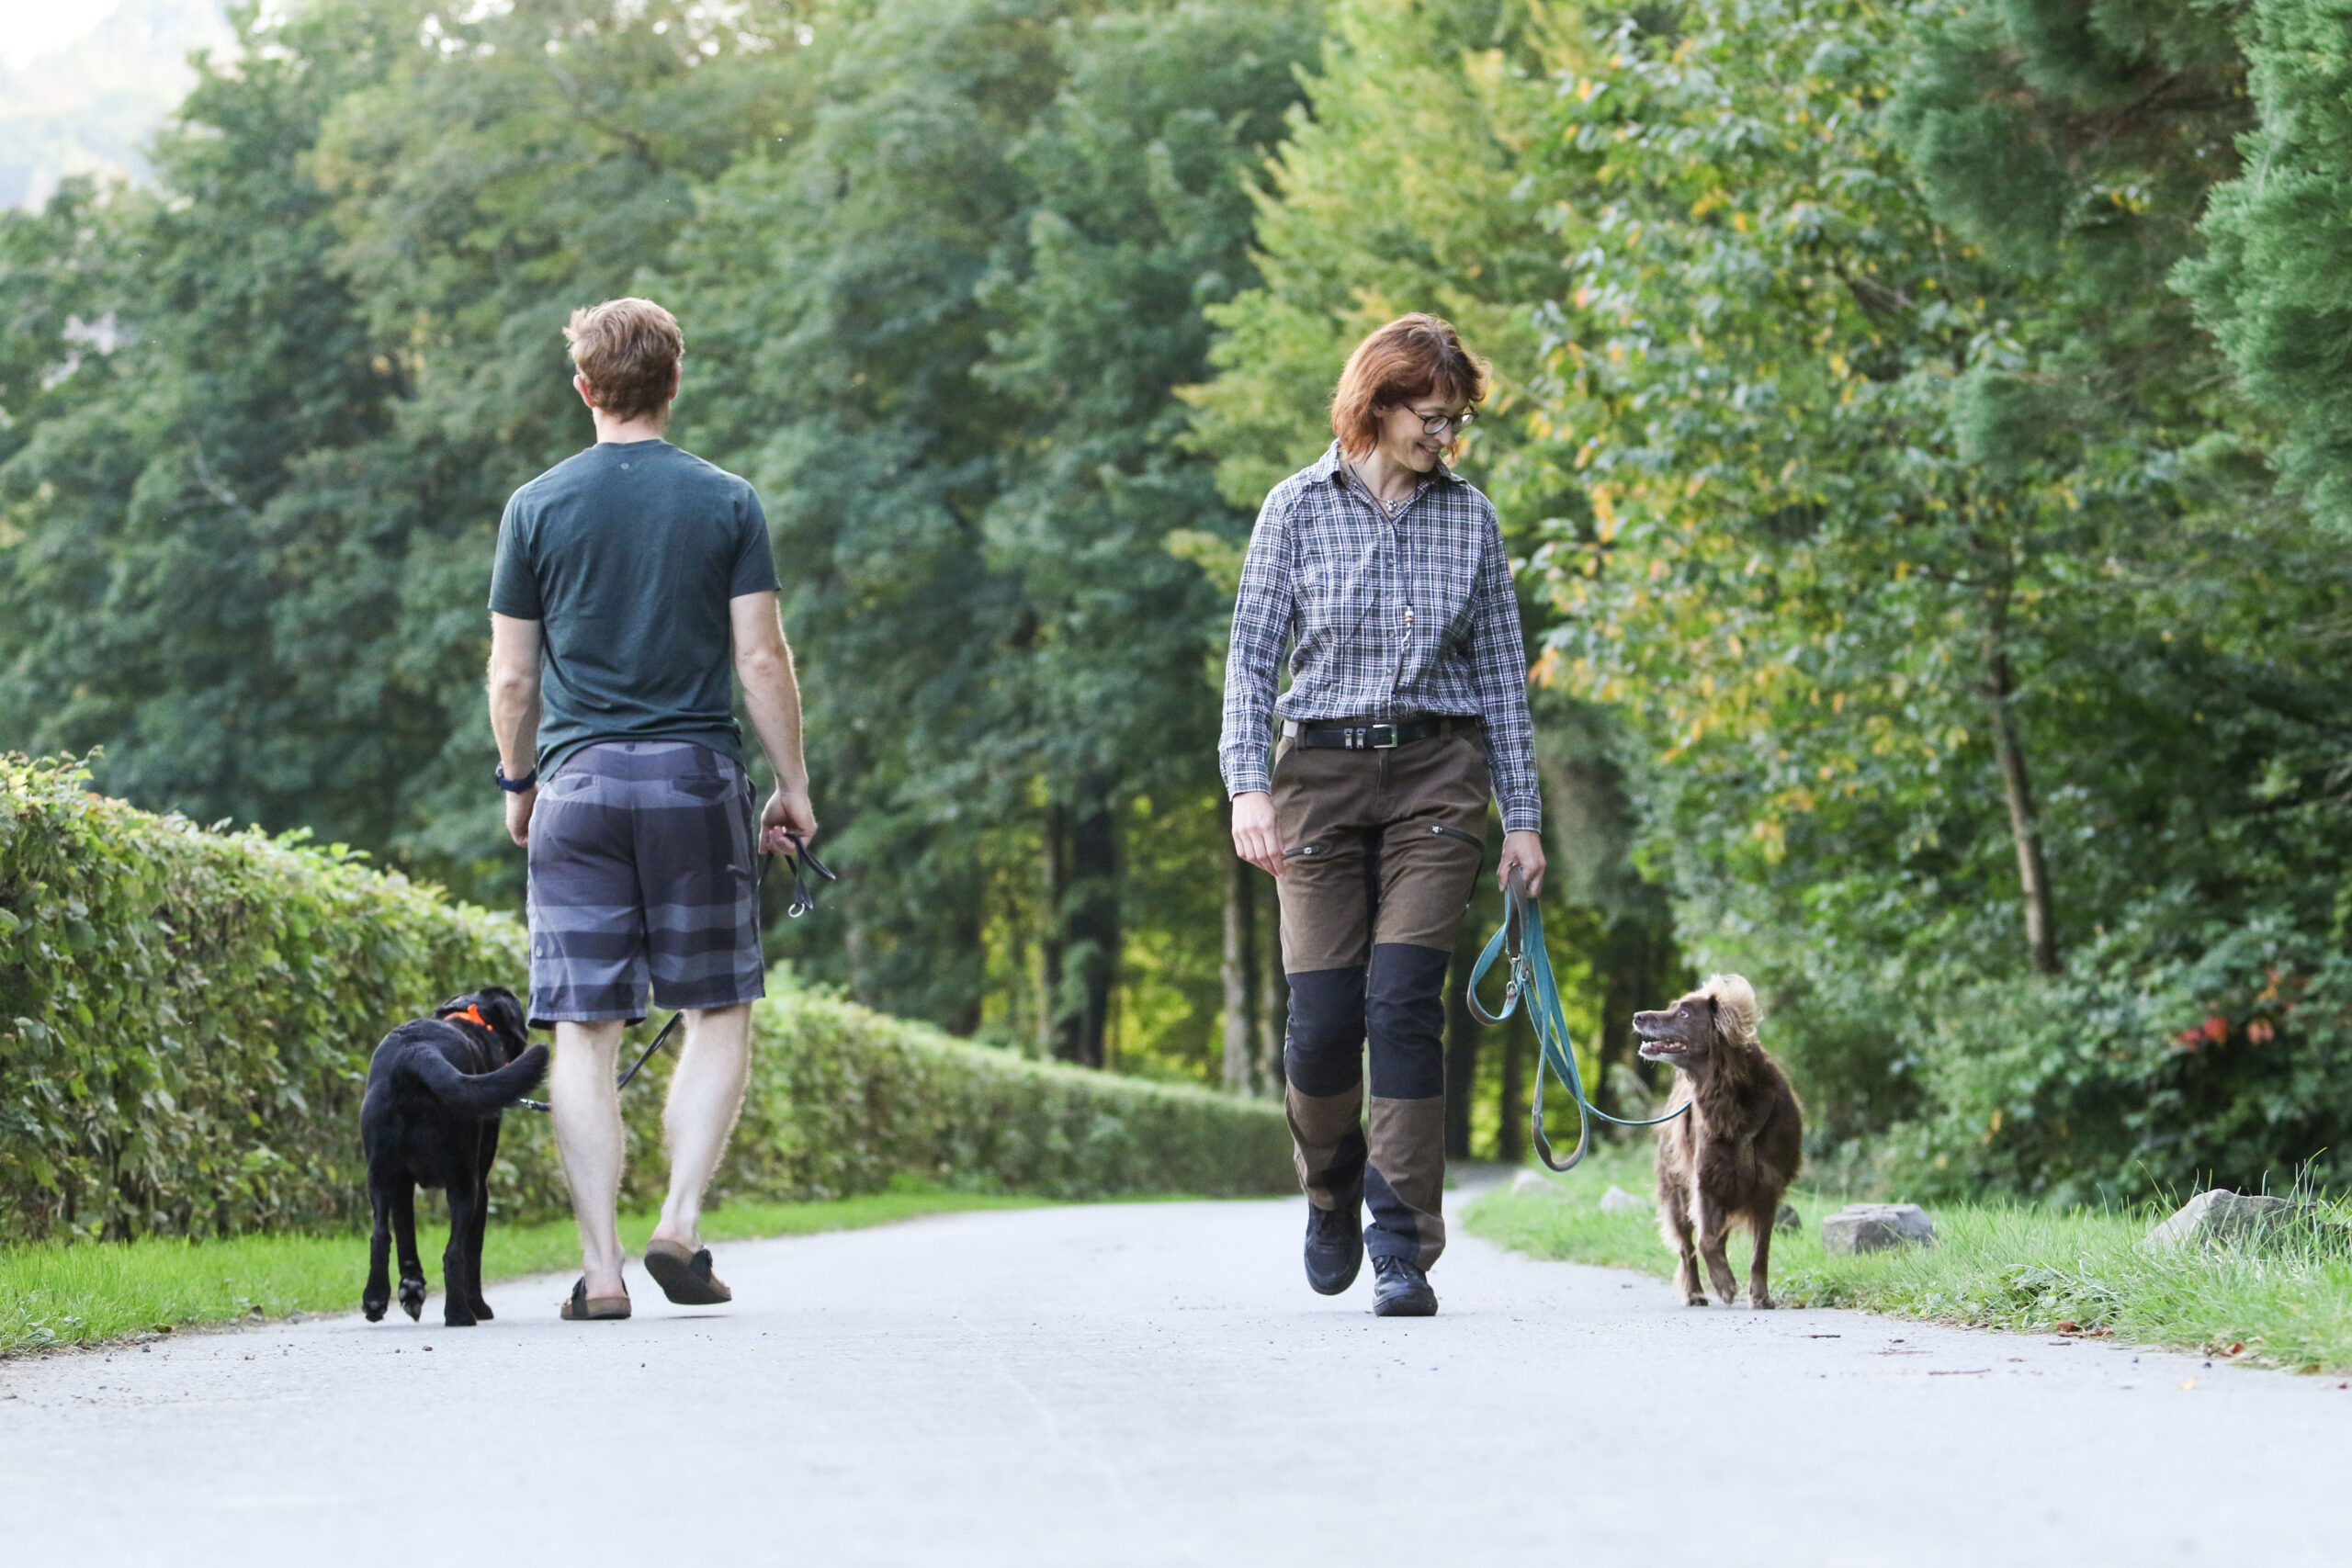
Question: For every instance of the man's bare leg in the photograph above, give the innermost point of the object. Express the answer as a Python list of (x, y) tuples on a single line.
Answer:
[(705, 1096), (588, 1135)]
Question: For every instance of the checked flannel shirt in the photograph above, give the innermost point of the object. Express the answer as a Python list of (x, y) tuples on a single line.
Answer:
[(1389, 615)]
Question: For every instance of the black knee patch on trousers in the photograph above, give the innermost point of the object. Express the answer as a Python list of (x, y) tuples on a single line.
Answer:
[(1404, 1010), (1323, 1051)]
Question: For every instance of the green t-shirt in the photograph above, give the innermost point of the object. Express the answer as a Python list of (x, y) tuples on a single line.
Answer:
[(627, 556)]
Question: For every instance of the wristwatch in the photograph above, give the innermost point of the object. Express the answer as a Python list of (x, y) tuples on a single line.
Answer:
[(514, 786)]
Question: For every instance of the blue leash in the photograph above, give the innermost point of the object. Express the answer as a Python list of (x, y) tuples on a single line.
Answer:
[(1521, 939)]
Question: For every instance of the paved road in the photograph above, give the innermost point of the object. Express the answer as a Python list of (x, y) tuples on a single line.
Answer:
[(1150, 1385)]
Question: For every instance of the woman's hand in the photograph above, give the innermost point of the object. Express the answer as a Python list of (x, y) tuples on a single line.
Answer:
[(1255, 838), (1523, 851)]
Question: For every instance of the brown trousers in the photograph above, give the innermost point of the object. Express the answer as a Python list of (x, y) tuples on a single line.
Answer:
[(1382, 849)]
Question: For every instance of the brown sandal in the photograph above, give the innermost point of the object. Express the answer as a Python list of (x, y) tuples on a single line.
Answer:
[(586, 1308), (685, 1278)]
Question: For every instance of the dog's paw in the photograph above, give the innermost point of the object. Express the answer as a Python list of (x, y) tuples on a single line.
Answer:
[(413, 1299), (1763, 1303), (482, 1310), (456, 1317), (1694, 1299), (374, 1310)]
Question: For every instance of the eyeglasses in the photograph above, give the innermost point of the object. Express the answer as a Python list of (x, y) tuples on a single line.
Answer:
[(1438, 423)]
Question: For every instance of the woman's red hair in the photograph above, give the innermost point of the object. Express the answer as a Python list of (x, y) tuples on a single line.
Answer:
[(1412, 357)]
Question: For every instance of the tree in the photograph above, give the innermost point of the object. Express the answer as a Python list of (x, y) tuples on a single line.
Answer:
[(991, 252), (198, 348), (1140, 219), (940, 261), (1918, 527), (258, 529), (2279, 233)]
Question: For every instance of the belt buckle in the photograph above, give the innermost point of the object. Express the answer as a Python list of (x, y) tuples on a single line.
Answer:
[(1376, 743)]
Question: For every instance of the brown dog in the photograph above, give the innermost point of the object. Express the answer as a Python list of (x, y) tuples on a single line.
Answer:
[(1737, 1150)]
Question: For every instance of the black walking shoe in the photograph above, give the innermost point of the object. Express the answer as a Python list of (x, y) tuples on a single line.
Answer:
[(1334, 1246), (1401, 1289)]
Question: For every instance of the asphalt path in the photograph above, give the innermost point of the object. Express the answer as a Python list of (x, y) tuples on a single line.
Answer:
[(1153, 1383)]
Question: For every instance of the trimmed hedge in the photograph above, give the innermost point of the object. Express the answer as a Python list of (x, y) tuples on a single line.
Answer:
[(186, 1019), (842, 1098), (185, 1016)]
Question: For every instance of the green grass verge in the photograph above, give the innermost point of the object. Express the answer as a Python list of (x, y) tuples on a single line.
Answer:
[(1994, 1267), (52, 1295)]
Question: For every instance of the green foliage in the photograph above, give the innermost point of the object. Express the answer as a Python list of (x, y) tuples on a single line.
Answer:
[(190, 1014), (175, 364), (1922, 626), (2149, 1069), (940, 262), (1893, 532), (974, 284), (2269, 286), (1399, 188), (1920, 530)]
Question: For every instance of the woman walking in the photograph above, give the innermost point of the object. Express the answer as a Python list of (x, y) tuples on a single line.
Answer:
[(1384, 572)]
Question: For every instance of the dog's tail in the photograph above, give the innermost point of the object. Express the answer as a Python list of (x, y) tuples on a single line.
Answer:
[(479, 1095)]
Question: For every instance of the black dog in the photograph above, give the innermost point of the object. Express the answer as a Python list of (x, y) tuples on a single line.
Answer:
[(436, 1089)]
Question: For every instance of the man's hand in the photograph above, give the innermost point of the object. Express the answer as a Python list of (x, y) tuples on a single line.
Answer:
[(518, 814), (1255, 838), (788, 811), (1523, 849)]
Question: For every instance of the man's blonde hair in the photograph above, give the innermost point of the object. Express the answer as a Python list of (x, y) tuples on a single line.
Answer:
[(628, 350)]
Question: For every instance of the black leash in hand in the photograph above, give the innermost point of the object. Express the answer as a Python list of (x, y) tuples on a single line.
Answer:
[(801, 859)]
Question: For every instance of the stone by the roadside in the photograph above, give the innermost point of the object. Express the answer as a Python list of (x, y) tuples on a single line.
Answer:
[(1874, 1227), (1528, 1181), (1788, 1221), (1617, 1201), (2221, 1215)]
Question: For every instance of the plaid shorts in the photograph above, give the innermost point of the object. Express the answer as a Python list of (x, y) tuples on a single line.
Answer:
[(644, 864)]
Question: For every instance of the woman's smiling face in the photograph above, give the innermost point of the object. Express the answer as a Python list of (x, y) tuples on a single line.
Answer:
[(1404, 438)]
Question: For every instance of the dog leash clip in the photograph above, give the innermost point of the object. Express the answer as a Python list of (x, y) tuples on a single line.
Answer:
[(803, 860)]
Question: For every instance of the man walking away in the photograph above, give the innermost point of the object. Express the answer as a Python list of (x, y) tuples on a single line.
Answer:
[(625, 579)]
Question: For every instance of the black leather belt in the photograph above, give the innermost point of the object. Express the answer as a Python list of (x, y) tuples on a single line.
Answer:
[(1364, 735)]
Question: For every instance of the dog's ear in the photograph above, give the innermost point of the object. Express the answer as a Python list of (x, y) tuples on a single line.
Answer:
[(506, 1018)]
